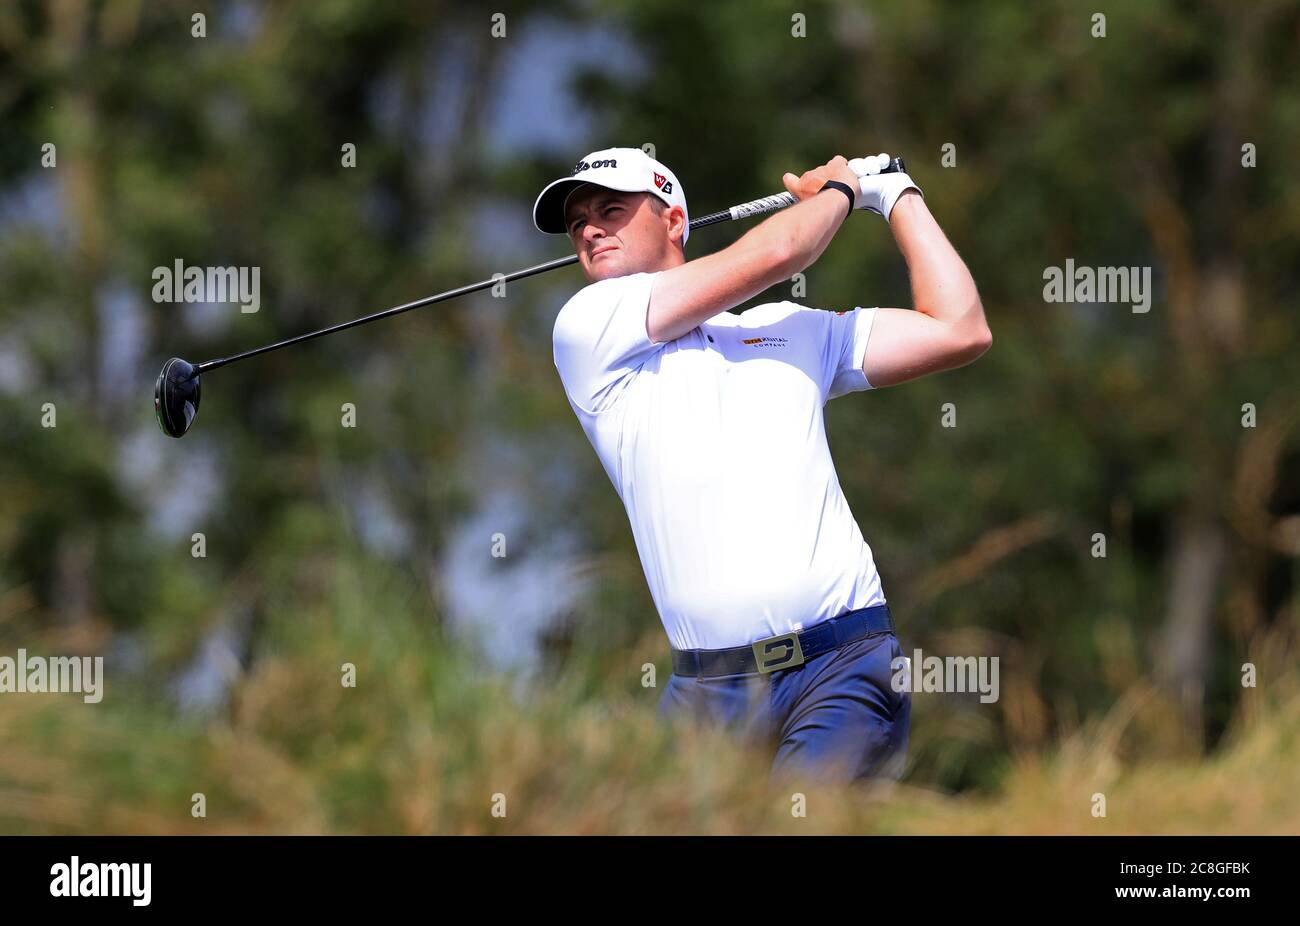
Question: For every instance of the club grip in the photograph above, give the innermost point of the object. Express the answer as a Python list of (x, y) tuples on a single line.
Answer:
[(782, 200)]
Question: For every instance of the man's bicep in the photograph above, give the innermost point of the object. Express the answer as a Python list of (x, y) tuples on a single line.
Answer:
[(906, 345)]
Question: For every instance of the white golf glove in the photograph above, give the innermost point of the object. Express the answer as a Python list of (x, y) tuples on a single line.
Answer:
[(878, 192)]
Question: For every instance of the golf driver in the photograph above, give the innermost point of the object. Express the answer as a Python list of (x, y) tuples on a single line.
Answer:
[(176, 393)]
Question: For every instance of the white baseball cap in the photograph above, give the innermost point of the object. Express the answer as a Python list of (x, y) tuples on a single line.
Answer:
[(628, 170)]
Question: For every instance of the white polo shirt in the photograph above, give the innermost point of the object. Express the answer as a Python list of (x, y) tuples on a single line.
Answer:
[(715, 443)]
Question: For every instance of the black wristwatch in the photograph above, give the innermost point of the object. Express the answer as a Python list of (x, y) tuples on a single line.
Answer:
[(846, 190)]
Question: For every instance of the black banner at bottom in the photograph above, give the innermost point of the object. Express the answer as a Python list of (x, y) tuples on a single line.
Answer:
[(332, 875)]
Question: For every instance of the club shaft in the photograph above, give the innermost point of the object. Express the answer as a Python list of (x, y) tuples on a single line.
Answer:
[(744, 210), (395, 310)]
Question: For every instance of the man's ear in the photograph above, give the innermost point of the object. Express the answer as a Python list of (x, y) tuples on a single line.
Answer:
[(677, 225)]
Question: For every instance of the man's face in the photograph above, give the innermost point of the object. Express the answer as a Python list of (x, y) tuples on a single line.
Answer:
[(615, 234)]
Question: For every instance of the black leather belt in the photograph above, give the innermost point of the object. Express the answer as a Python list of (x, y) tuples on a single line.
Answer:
[(787, 650)]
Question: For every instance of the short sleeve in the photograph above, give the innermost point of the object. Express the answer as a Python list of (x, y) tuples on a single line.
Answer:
[(600, 339), (846, 350)]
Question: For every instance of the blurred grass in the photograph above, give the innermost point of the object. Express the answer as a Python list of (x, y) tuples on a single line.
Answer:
[(428, 737)]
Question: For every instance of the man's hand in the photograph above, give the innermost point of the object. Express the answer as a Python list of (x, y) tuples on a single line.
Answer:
[(879, 192), (810, 183)]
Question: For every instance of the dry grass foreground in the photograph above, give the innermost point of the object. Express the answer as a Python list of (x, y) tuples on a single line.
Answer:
[(426, 743)]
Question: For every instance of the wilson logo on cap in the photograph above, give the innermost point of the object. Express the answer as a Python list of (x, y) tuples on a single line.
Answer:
[(583, 165)]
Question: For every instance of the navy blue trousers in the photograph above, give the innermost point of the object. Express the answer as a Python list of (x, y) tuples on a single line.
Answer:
[(835, 717)]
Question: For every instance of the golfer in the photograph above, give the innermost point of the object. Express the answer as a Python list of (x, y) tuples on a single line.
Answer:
[(710, 426)]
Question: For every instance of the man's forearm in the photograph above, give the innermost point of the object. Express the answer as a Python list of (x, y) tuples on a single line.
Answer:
[(942, 287), (797, 236), (784, 244)]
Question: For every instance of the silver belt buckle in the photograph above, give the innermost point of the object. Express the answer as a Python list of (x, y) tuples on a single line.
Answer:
[(779, 652)]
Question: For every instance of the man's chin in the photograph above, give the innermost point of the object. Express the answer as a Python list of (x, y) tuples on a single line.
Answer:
[(607, 267)]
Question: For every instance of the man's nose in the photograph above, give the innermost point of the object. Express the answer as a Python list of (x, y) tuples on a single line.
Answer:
[(590, 231)]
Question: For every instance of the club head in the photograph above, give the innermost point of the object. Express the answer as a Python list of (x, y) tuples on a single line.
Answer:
[(176, 397)]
